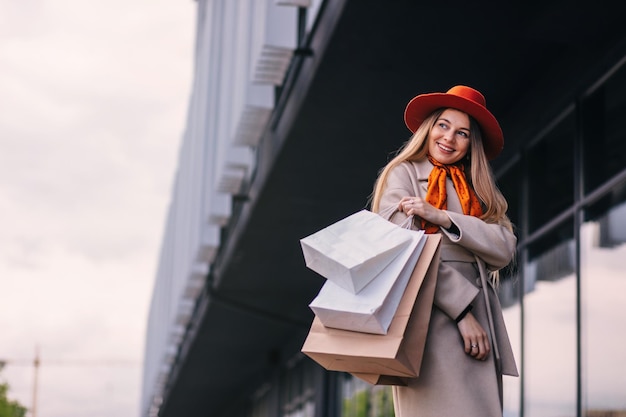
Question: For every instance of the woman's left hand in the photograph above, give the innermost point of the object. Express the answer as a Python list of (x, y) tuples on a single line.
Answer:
[(475, 340), (417, 206)]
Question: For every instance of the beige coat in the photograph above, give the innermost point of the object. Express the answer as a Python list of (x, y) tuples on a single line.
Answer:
[(452, 383)]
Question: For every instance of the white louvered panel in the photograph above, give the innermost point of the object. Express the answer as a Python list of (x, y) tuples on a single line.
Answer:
[(170, 354), (195, 282), (251, 125), (221, 209), (298, 3), (184, 311), (272, 65), (175, 334), (279, 39), (234, 169)]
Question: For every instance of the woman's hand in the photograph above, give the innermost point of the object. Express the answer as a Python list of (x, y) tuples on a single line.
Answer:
[(417, 206), (474, 337)]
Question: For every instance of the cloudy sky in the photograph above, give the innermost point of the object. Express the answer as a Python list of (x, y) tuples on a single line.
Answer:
[(93, 100)]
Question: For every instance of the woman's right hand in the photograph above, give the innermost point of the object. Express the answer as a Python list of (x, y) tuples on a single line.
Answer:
[(474, 337), (419, 207)]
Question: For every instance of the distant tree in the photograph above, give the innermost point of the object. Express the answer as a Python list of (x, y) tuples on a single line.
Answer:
[(9, 408)]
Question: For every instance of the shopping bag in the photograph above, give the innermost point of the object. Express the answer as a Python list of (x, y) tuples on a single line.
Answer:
[(398, 353), (352, 251), (371, 309)]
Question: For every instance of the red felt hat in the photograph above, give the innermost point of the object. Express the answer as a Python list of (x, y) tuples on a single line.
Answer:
[(462, 98)]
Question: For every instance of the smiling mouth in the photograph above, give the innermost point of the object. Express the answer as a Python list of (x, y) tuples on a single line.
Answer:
[(445, 148)]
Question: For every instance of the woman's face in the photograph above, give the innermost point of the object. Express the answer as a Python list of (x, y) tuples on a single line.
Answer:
[(449, 139)]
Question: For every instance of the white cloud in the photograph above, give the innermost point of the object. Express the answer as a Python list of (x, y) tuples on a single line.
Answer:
[(93, 98)]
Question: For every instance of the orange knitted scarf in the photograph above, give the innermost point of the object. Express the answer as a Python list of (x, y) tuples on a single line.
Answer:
[(436, 194)]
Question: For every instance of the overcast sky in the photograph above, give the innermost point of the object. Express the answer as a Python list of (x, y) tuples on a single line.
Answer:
[(93, 100)]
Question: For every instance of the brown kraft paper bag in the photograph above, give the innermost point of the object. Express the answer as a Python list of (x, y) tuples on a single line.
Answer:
[(384, 359)]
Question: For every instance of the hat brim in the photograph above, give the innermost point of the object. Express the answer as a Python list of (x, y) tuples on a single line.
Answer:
[(420, 107)]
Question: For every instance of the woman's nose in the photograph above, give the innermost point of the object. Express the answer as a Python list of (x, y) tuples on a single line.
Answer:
[(448, 135)]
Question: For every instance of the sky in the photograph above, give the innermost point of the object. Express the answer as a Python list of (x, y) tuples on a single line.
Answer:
[(93, 101)]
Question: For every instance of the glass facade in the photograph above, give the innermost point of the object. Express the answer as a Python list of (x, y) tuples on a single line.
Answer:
[(602, 249), (567, 192)]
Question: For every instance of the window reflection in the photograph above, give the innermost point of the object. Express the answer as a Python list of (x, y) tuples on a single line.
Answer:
[(298, 389), (262, 402), (603, 251), (508, 293), (360, 399), (604, 136), (550, 327)]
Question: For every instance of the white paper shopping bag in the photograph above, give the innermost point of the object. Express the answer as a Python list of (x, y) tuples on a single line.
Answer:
[(373, 308), (398, 353), (355, 249)]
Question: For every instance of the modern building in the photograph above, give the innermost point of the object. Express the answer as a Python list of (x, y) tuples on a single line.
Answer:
[(296, 105)]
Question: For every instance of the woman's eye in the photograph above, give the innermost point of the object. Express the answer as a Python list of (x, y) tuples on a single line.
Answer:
[(464, 134)]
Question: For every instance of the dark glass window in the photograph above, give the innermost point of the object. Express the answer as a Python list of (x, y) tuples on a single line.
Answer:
[(510, 184), (604, 136), (550, 166)]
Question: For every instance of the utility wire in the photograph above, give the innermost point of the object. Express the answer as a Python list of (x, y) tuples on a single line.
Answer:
[(74, 362)]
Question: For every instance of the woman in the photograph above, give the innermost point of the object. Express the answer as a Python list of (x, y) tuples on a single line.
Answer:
[(442, 178)]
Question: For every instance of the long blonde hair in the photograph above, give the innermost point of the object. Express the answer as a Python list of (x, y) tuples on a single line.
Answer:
[(481, 175)]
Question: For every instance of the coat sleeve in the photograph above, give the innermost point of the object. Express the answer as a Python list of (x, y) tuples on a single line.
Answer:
[(453, 292), (493, 243), (400, 183)]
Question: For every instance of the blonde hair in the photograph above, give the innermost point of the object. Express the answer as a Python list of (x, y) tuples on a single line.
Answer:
[(414, 149)]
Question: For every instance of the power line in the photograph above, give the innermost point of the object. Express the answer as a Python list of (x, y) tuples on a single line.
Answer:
[(129, 363)]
